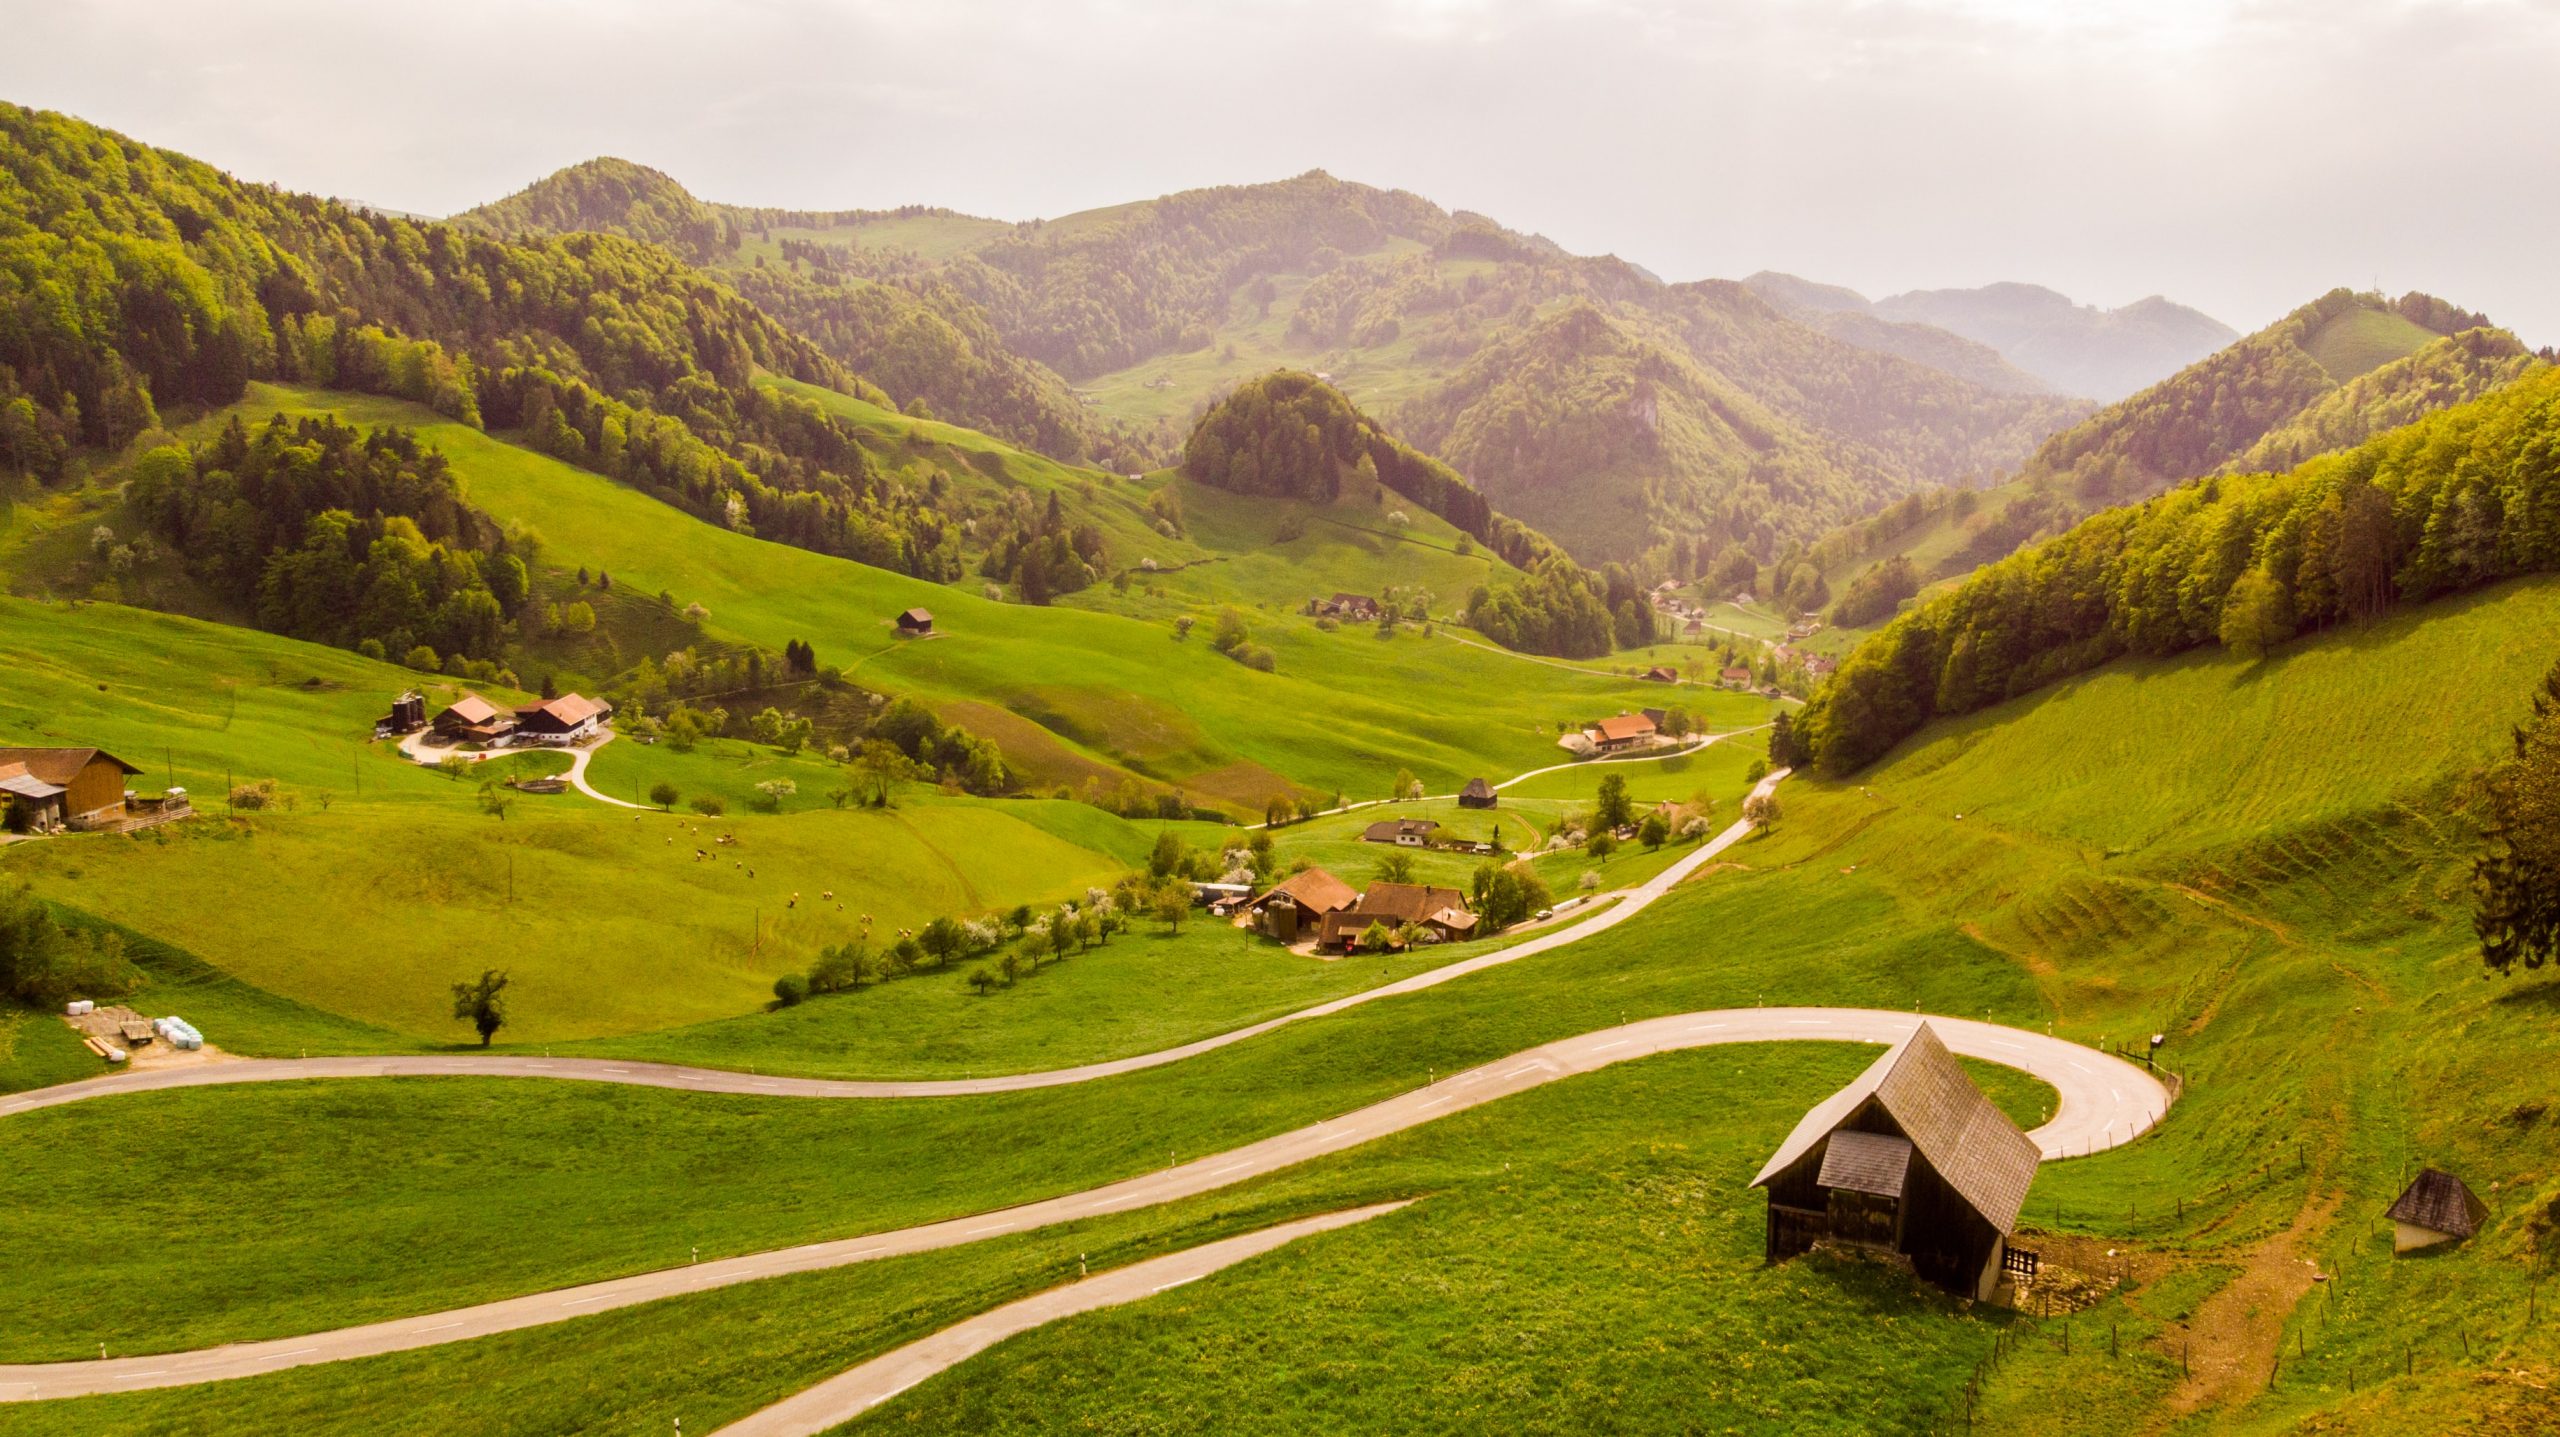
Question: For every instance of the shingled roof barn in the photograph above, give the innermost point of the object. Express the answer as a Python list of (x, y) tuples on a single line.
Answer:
[(1477, 794), (1911, 1158), (1300, 902), (2438, 1207), (48, 788)]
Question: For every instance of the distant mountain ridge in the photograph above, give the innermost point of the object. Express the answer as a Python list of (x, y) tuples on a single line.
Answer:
[(2074, 348)]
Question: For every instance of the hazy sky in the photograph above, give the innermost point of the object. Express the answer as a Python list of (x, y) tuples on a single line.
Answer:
[(2241, 157)]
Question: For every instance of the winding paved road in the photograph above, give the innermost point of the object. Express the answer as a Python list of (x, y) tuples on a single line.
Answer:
[(416, 749), (2105, 1102), (840, 1399), (721, 1080)]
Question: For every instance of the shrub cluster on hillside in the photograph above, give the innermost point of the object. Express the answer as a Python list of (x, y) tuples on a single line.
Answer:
[(2460, 498), (329, 533)]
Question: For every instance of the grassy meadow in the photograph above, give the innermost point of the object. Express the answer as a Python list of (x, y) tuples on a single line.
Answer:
[(1089, 694), (2263, 862)]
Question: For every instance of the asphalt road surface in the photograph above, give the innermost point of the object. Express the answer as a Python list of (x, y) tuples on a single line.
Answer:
[(2105, 1102)]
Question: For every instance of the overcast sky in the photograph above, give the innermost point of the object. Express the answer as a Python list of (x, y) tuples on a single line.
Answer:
[(2240, 157)]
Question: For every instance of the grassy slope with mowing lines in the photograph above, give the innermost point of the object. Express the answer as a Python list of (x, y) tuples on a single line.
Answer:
[(2306, 948), (1640, 1155), (1343, 710)]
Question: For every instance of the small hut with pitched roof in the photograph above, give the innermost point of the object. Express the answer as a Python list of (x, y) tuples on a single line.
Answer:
[(1911, 1158)]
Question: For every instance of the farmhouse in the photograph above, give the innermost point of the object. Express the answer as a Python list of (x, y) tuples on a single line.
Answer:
[(1299, 903), (565, 719), (2437, 1208), (53, 788), (1477, 794), (916, 621), (1403, 832), (1349, 606), (1623, 731), (1911, 1158), (1661, 674), (473, 719), (1441, 910), (1736, 677)]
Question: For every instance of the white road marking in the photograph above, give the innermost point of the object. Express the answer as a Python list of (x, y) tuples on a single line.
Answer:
[(999, 1227), (1435, 1102), (583, 1301), (1622, 1042), (1230, 1168), (1523, 1068), (1177, 1282), (1810, 1022), (297, 1352), (1703, 1027), (138, 1376)]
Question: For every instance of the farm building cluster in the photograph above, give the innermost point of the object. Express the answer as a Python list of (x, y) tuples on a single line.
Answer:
[(1314, 901), (1618, 733), (77, 790), (471, 719)]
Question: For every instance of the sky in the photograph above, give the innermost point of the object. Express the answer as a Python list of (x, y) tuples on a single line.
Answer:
[(2239, 157)]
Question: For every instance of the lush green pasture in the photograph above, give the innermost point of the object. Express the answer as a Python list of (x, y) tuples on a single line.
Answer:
[(1625, 1185), (2365, 339), (1343, 710), (1143, 991)]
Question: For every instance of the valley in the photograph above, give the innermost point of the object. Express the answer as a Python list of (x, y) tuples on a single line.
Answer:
[(1278, 808)]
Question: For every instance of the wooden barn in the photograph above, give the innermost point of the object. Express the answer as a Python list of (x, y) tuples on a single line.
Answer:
[(1477, 794), (54, 788), (1441, 910), (1911, 1159), (565, 719), (473, 719), (1299, 903), (916, 621)]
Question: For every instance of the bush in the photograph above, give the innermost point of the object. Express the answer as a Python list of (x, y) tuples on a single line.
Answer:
[(664, 794), (708, 805), (44, 963), (790, 990), (251, 797)]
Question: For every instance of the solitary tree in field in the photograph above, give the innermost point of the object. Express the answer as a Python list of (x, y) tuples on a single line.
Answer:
[(482, 1004), (1655, 830), (1763, 811), (1601, 843), (664, 794), (1613, 809), (2517, 879), (1172, 904), (1396, 868)]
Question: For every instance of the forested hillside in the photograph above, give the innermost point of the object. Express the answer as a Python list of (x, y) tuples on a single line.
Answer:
[(933, 349), (2462, 497), (1290, 435), (1160, 307), (133, 279)]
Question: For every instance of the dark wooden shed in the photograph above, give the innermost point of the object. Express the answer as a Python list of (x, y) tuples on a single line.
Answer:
[(1477, 794), (916, 621), (1912, 1159), (2437, 1208)]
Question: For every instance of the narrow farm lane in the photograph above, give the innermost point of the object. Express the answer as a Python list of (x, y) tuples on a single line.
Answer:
[(841, 1399), (721, 1080), (2105, 1102)]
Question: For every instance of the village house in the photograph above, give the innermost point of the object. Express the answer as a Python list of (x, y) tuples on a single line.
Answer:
[(2437, 1208), (49, 789), (1911, 1159), (916, 621), (1299, 903), (1624, 731), (1819, 666), (565, 719), (1477, 794), (1357, 607), (1403, 832), (473, 719), (1735, 677), (1441, 911), (1661, 674)]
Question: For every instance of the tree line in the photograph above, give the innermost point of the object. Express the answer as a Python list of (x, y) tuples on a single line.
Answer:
[(2461, 498)]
